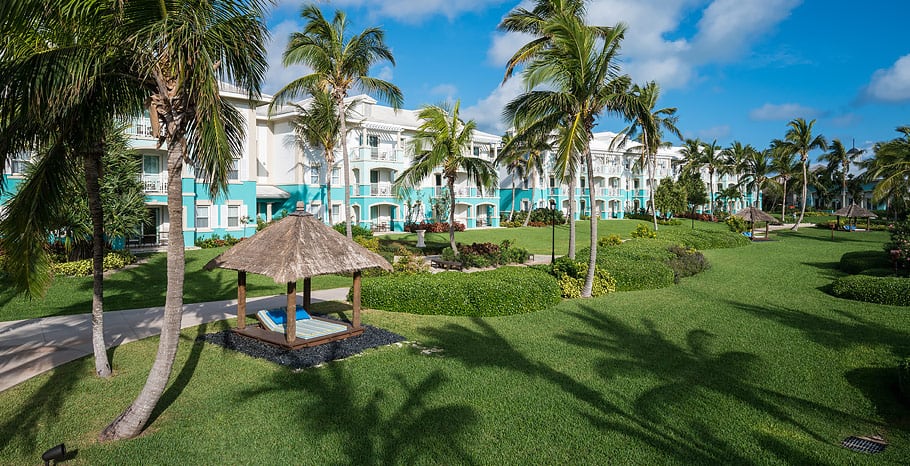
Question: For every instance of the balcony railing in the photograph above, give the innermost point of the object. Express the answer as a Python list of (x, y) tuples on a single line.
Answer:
[(373, 153), (380, 189), (615, 192), (154, 183), (142, 128)]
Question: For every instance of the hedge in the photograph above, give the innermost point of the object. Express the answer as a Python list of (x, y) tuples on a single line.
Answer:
[(632, 274), (504, 291), (881, 290), (83, 268), (702, 240), (858, 261)]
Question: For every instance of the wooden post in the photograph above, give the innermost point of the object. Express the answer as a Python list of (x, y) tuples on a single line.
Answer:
[(307, 294), (356, 299), (290, 331), (241, 300)]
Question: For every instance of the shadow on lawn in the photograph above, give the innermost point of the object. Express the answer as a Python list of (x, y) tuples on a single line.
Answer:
[(646, 421), (372, 430)]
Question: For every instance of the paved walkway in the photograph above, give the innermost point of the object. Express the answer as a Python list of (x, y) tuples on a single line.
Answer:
[(34, 346)]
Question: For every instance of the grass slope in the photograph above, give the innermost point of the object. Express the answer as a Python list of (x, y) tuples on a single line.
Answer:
[(747, 363)]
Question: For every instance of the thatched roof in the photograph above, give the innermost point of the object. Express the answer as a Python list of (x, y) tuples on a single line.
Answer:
[(754, 214), (298, 246), (854, 211)]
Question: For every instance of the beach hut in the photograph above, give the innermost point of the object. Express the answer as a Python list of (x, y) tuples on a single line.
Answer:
[(294, 248), (754, 215), (853, 212)]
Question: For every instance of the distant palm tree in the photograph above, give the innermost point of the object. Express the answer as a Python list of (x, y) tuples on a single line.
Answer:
[(738, 157), (729, 195), (514, 165), (648, 124), (799, 140), (757, 172), (713, 159), (318, 125), (339, 63), (441, 141), (528, 148), (891, 166), (786, 166), (839, 160), (692, 155)]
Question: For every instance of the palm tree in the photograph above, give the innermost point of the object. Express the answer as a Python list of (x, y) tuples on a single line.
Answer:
[(441, 141), (185, 50), (649, 124), (528, 149), (318, 126), (63, 83), (891, 166), (729, 195), (786, 166), (738, 157), (579, 71), (514, 164), (799, 140), (712, 158), (692, 155), (339, 63), (756, 172), (839, 160)]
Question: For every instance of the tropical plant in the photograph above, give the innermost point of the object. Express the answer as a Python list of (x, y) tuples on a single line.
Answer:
[(62, 87), (649, 124), (670, 197), (441, 142), (514, 166), (839, 161), (756, 173), (785, 166), (339, 62), (695, 191), (799, 140), (738, 160), (891, 166), (728, 196), (527, 148), (712, 158)]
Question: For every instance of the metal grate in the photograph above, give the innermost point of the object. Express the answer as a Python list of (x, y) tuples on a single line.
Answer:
[(873, 444)]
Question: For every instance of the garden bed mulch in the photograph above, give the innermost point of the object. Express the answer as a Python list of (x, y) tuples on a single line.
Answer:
[(371, 337)]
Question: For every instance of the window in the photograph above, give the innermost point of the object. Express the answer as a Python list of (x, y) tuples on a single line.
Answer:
[(19, 162), (336, 211), (314, 175), (234, 171), (373, 141), (335, 176), (202, 216), (233, 216), (476, 151)]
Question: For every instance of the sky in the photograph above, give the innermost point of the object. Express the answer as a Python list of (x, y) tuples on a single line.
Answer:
[(736, 70)]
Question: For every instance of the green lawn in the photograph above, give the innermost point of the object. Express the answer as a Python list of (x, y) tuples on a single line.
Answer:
[(748, 363), (144, 286)]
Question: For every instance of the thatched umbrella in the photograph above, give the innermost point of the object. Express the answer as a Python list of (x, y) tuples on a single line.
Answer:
[(752, 215), (297, 247), (854, 211)]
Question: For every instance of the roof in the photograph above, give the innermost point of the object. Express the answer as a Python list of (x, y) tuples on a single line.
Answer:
[(754, 214), (854, 211), (270, 192), (298, 246)]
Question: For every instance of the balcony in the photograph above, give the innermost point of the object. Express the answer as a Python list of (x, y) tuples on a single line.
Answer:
[(380, 189), (610, 192), (373, 153), (142, 128), (154, 183)]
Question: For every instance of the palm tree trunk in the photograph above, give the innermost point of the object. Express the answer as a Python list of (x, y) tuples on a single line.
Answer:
[(802, 211), (131, 422), (586, 291), (651, 170), (92, 165), (711, 178), (512, 213), (339, 100), (843, 194), (531, 207), (450, 181), (328, 199), (783, 202), (571, 218)]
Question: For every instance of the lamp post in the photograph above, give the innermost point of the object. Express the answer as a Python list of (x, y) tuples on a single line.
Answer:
[(553, 229)]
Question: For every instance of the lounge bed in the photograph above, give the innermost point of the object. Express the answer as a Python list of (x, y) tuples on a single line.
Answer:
[(307, 327)]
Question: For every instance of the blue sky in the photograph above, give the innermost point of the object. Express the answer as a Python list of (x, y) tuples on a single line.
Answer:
[(735, 69)]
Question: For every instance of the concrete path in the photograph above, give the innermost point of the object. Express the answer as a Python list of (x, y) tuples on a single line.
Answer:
[(34, 346)]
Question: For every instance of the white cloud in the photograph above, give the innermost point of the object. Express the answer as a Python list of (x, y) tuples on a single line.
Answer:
[(413, 11), (448, 91), (728, 27), (715, 132), (892, 84), (789, 111), (488, 111), (846, 120), (277, 75), (385, 73)]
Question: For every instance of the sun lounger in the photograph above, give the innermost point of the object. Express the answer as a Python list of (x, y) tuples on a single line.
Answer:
[(307, 327)]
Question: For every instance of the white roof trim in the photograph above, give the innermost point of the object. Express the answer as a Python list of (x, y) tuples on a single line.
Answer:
[(270, 192)]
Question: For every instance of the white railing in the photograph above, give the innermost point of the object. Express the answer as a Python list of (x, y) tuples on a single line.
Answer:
[(154, 183), (609, 192), (373, 153), (381, 189), (142, 128)]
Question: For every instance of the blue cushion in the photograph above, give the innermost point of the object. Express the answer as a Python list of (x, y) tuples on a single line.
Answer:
[(278, 315), (747, 234)]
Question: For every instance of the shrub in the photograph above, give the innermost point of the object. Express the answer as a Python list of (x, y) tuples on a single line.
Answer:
[(357, 231), (611, 240), (437, 227), (486, 254), (504, 291), (632, 275), (687, 262), (703, 240), (643, 231), (368, 242), (215, 241), (571, 277), (900, 241), (409, 263), (881, 290), (737, 224), (857, 261), (83, 268)]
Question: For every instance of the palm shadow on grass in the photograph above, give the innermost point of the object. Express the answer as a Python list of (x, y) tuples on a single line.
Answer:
[(415, 431), (482, 346)]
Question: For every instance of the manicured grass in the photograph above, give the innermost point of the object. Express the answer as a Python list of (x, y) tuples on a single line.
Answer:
[(750, 362), (145, 285)]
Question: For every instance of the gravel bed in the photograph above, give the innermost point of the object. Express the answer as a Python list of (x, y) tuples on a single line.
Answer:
[(372, 337)]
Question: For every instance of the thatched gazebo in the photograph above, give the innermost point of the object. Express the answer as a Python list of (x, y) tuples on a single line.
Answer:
[(854, 211), (297, 247), (754, 215)]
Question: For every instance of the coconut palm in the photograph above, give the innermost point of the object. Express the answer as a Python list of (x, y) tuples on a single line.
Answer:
[(339, 63), (799, 140), (528, 149), (514, 164), (441, 142), (756, 173), (891, 166), (692, 155), (738, 157), (839, 161), (63, 83), (785, 165), (318, 126), (713, 160), (581, 77), (729, 195), (185, 49), (648, 124)]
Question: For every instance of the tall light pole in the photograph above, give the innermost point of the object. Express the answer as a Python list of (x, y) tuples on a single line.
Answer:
[(553, 229)]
